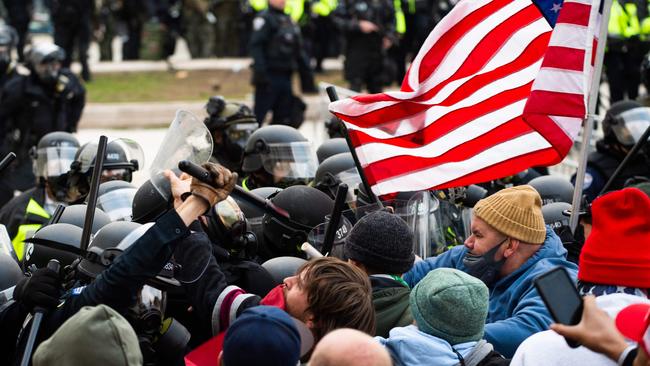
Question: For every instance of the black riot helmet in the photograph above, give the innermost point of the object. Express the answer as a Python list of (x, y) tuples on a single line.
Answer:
[(76, 215), (279, 156), (104, 247), (254, 214), (331, 147), (116, 199), (123, 157), (44, 60), (552, 188), (282, 267), (8, 40), (337, 169), (625, 122), (231, 125), (307, 208), (554, 215), (149, 204), (61, 241), (53, 156)]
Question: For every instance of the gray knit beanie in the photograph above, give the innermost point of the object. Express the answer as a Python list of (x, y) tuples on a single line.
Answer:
[(451, 305), (381, 241)]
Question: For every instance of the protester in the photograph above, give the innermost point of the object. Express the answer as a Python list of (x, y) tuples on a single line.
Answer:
[(349, 347), (263, 335), (619, 276), (450, 308), (509, 247), (93, 336), (381, 244)]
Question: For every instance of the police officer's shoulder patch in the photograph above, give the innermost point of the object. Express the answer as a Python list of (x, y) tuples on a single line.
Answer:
[(258, 23), (589, 179)]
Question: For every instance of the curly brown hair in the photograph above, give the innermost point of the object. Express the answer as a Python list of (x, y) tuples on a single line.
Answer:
[(339, 295)]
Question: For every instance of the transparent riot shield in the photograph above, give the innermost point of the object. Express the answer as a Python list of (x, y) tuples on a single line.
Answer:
[(187, 139)]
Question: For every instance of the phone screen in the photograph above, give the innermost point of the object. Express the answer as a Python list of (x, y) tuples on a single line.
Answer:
[(560, 296)]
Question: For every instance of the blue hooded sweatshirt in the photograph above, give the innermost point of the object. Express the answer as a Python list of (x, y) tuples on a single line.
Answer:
[(408, 346), (516, 310)]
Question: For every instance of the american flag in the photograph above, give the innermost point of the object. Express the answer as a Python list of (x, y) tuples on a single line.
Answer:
[(498, 86)]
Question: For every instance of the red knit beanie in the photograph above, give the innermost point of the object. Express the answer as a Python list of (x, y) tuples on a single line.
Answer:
[(617, 252)]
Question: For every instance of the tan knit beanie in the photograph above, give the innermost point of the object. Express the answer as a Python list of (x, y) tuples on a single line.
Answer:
[(515, 212)]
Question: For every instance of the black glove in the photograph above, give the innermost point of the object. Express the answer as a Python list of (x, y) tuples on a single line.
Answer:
[(42, 289), (260, 79)]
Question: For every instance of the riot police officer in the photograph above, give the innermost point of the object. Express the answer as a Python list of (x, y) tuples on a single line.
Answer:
[(48, 98), (277, 156), (369, 28), (276, 48), (231, 124), (27, 212), (623, 124), (72, 26)]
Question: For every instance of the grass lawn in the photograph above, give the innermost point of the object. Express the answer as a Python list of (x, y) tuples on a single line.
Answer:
[(180, 85)]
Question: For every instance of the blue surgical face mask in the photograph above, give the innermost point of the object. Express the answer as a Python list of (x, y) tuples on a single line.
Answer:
[(485, 267)]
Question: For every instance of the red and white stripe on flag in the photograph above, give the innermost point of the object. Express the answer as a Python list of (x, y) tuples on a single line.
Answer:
[(459, 116)]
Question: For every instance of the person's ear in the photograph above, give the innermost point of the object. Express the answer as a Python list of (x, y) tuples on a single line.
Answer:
[(309, 320), (511, 247)]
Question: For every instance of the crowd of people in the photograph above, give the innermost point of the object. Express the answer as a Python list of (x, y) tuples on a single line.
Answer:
[(188, 270), (260, 259)]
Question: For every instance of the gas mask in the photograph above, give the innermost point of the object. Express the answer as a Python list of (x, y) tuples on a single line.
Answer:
[(146, 318), (485, 267), (226, 226)]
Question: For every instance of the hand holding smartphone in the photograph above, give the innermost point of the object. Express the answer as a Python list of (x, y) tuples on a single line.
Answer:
[(561, 297)]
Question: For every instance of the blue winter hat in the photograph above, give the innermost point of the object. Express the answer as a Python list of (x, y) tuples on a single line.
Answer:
[(265, 335), (451, 305)]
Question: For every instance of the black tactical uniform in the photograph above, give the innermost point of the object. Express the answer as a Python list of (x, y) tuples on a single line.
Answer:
[(364, 54), (276, 48), (72, 25), (29, 110)]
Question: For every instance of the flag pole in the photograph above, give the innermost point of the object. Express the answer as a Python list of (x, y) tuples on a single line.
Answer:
[(333, 95), (588, 124)]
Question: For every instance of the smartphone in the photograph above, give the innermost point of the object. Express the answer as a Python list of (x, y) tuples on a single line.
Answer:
[(561, 297)]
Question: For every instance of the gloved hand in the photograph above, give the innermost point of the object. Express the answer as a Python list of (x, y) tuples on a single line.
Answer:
[(224, 182), (42, 289)]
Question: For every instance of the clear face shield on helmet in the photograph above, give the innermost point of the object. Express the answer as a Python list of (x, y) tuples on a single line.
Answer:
[(226, 224), (422, 215), (630, 125), (316, 236), (294, 160), (118, 203), (53, 161), (122, 155)]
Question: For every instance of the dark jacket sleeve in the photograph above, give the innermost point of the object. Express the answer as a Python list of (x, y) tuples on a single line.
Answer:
[(210, 295), (74, 96), (259, 40), (118, 285)]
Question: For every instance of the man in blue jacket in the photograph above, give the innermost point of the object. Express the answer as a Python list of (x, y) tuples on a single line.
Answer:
[(509, 247)]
